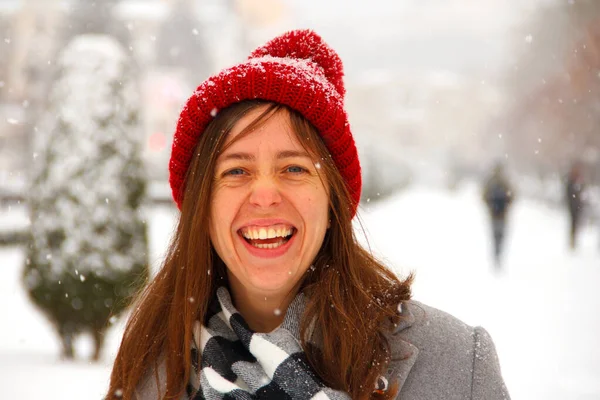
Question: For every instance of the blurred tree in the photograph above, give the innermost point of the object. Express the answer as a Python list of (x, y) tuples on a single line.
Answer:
[(87, 253), (54, 27), (555, 88)]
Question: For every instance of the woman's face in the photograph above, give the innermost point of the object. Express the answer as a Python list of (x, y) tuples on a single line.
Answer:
[(269, 207)]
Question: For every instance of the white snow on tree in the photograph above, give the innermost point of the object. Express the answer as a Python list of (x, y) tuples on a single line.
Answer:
[(88, 249)]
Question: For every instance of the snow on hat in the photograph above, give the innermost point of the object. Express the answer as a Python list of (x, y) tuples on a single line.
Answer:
[(297, 69)]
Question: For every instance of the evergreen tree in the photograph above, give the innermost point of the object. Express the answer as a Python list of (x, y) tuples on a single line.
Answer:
[(88, 248)]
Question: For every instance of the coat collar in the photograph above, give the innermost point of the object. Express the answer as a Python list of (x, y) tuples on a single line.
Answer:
[(404, 354)]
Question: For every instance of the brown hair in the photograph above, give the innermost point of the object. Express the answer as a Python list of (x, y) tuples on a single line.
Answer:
[(352, 297)]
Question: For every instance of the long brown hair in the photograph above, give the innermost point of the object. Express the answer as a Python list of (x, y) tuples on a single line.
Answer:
[(352, 297)]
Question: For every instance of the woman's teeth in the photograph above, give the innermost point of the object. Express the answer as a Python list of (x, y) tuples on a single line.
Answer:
[(263, 233), (268, 245), (268, 237)]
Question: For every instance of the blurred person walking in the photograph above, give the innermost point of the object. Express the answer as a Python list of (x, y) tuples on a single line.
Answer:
[(498, 196), (574, 192)]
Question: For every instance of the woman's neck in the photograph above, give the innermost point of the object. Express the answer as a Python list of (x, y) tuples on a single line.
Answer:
[(263, 313)]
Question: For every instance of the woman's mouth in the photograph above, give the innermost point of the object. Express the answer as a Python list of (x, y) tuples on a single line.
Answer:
[(267, 237)]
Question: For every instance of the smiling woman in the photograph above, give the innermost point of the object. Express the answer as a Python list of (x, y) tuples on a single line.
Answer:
[(265, 292), (269, 212)]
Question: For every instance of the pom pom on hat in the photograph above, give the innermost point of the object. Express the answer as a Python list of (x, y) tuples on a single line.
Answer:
[(297, 69), (306, 45)]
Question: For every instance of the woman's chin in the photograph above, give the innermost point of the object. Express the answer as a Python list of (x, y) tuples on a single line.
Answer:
[(272, 284)]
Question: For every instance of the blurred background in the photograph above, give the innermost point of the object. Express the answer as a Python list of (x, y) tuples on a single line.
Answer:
[(448, 100)]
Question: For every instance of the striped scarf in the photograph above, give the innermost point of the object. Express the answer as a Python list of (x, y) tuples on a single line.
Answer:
[(238, 363)]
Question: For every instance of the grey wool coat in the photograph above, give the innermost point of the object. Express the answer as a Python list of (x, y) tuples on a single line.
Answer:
[(435, 356)]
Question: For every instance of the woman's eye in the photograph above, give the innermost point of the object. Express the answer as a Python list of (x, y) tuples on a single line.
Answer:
[(295, 169), (234, 172)]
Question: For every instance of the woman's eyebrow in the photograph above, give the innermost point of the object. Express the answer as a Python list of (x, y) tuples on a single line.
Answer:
[(251, 157), (292, 154), (237, 156)]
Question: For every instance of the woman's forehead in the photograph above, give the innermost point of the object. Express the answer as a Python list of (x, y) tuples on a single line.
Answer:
[(253, 146), (275, 129), (278, 116)]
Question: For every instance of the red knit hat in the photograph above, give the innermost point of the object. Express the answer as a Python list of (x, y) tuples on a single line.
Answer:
[(297, 69)]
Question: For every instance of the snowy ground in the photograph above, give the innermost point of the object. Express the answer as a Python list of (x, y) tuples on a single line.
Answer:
[(543, 310)]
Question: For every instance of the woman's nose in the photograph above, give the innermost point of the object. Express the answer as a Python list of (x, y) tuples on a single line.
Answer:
[(265, 192)]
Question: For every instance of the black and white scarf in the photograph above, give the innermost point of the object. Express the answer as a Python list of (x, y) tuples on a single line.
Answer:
[(238, 363)]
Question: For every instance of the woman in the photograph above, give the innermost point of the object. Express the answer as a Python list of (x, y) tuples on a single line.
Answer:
[(265, 292)]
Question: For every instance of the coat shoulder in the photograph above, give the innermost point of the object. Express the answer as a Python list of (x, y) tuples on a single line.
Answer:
[(443, 342), (430, 324), (449, 359)]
